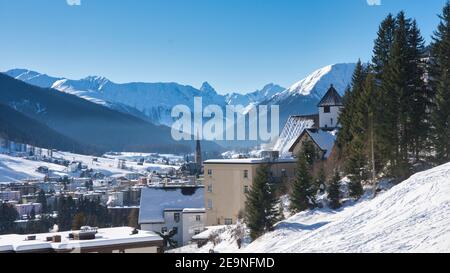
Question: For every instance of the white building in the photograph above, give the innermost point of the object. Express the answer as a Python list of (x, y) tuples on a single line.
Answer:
[(115, 199), (330, 108), (25, 209), (106, 240), (10, 195), (176, 209)]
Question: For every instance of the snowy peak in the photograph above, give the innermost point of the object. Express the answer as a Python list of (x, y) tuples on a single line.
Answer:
[(32, 77), (254, 97), (207, 88), (317, 83)]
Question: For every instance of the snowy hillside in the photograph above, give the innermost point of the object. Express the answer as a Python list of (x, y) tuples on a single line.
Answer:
[(411, 217), (14, 169)]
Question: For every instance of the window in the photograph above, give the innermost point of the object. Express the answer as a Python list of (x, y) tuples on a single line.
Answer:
[(196, 231), (245, 173), (246, 189), (210, 204), (198, 218), (175, 230), (163, 230), (210, 188), (331, 121), (326, 109), (228, 221), (209, 172), (176, 217)]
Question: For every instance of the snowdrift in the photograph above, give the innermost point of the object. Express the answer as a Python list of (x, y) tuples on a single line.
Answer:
[(413, 216)]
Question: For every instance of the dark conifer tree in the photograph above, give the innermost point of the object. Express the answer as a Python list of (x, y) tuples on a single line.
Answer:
[(418, 117), (261, 212), (133, 218), (320, 181), (440, 76), (333, 190), (302, 196), (42, 199)]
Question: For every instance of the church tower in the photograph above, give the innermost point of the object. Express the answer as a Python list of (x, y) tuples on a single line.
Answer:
[(329, 109), (198, 153)]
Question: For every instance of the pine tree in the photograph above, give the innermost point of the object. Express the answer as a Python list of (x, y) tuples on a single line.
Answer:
[(334, 191), (320, 181), (8, 215), (309, 152), (384, 118), (302, 196), (346, 118), (440, 72), (418, 116), (261, 212), (32, 213), (383, 45), (355, 187), (42, 199), (79, 220), (133, 218)]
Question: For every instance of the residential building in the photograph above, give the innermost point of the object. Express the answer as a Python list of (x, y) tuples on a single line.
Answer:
[(176, 209), (26, 209), (87, 240), (10, 195), (228, 180)]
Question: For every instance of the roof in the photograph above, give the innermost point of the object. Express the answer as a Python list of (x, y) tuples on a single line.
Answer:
[(247, 161), (323, 139), (292, 129), (331, 98), (104, 237), (155, 200)]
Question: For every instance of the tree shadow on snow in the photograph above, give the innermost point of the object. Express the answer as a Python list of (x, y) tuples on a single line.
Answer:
[(298, 226)]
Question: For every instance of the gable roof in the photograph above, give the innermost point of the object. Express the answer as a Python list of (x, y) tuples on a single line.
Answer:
[(331, 98), (294, 126), (323, 139), (155, 200)]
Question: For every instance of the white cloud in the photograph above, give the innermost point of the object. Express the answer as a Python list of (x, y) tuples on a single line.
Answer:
[(73, 2), (374, 2)]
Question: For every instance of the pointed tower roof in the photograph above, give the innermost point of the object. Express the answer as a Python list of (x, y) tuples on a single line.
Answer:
[(331, 98)]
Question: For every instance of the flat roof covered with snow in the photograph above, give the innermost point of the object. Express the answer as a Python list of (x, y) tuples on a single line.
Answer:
[(155, 200), (104, 238), (247, 161)]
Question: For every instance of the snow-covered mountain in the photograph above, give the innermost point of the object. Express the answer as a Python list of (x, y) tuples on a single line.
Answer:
[(302, 97), (253, 97), (154, 101)]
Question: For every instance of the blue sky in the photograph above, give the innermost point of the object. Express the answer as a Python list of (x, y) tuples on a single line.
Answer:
[(235, 45)]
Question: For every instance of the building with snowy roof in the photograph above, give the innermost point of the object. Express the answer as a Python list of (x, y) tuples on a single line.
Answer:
[(87, 240), (320, 128), (174, 211), (322, 140)]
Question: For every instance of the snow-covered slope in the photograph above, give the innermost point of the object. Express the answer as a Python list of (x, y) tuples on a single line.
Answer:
[(14, 169), (413, 216)]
